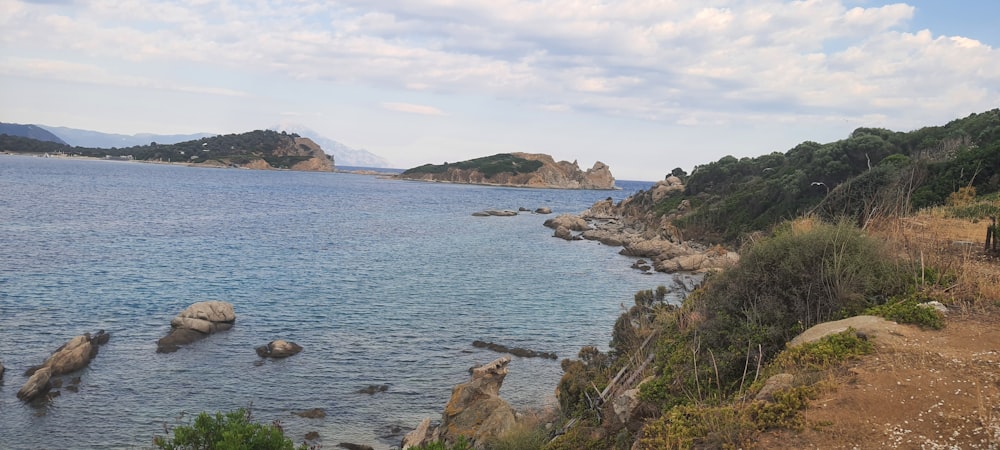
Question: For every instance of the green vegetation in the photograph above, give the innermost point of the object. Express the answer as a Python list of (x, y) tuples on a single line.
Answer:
[(489, 166), (874, 172), (460, 444), (235, 430), (242, 148), (909, 309)]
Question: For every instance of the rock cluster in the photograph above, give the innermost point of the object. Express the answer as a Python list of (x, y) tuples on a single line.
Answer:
[(643, 234), (70, 357), (196, 322), (474, 411)]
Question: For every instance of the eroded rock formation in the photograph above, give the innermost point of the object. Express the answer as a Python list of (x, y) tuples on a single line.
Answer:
[(197, 321), (74, 355), (474, 411)]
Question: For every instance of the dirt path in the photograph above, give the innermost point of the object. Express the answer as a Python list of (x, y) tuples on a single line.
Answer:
[(922, 389)]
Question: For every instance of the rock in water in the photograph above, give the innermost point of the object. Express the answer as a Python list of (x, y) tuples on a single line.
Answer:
[(36, 385), (278, 349), (70, 357), (197, 321)]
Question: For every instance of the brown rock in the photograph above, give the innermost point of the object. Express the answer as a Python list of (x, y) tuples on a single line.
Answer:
[(569, 221), (475, 409), (315, 413), (278, 349), (36, 385), (774, 384)]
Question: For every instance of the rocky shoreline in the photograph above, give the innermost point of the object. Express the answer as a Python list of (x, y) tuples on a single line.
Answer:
[(642, 234)]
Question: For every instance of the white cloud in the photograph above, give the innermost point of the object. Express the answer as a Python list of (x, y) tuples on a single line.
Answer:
[(413, 109), (671, 61)]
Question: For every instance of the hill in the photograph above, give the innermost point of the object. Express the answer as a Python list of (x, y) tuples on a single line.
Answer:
[(29, 131), (254, 150), (96, 139), (873, 172), (516, 169)]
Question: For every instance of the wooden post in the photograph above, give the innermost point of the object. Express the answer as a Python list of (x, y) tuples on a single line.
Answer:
[(991, 236)]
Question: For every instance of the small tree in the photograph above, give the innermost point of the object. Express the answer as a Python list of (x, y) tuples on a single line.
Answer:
[(234, 430)]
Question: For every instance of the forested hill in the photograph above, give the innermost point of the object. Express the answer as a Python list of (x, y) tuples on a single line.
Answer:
[(873, 172), (29, 131), (258, 149)]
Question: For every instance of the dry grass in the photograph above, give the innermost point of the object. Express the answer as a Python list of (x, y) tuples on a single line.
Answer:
[(961, 272)]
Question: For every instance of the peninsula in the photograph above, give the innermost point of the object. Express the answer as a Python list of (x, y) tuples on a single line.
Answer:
[(259, 149), (534, 170)]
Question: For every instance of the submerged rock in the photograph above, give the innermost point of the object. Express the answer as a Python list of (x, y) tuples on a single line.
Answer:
[(315, 413), (516, 351), (197, 321), (374, 389), (278, 349)]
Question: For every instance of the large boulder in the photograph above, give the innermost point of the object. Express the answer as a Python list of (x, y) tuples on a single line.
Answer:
[(70, 357), (197, 321), (278, 349), (475, 409), (36, 385), (569, 221)]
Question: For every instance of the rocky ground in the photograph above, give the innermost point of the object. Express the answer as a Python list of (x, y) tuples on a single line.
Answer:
[(927, 389)]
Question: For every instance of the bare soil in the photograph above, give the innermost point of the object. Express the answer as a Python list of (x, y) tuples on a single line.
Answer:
[(921, 389)]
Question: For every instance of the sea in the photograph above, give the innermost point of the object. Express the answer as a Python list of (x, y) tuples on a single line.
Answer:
[(382, 281)]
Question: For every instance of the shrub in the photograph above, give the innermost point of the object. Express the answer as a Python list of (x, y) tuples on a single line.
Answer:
[(234, 430), (825, 352), (909, 310)]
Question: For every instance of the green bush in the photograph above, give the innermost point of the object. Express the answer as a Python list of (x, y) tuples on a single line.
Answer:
[(825, 352), (909, 310), (235, 430), (460, 444), (806, 273)]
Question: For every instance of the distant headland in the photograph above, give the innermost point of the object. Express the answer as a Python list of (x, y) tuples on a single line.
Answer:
[(533, 170), (259, 149)]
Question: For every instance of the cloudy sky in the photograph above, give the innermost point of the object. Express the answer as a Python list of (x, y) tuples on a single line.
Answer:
[(644, 85)]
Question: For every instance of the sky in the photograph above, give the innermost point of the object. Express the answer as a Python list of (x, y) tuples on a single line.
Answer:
[(644, 86)]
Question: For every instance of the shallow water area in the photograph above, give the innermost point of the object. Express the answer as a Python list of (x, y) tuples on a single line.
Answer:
[(381, 281)]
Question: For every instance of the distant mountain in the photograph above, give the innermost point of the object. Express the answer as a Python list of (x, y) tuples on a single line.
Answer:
[(342, 154), (96, 139), (29, 131)]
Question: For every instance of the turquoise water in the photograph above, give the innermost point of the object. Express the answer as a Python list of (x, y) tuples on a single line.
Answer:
[(381, 281)]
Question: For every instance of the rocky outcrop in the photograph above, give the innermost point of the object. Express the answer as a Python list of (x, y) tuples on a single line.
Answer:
[(196, 322), (568, 221), (550, 174), (278, 349), (870, 326), (70, 357), (319, 161), (474, 411), (2, 370)]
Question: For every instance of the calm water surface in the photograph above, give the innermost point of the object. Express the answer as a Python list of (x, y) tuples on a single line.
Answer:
[(381, 281)]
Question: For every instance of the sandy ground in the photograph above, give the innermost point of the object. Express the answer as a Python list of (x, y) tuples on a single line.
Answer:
[(921, 389)]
